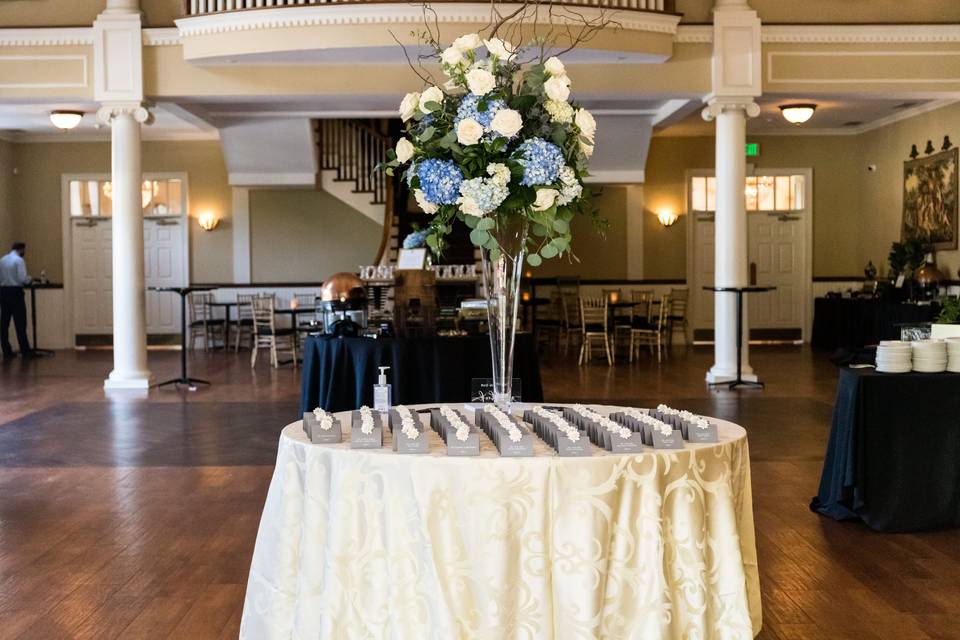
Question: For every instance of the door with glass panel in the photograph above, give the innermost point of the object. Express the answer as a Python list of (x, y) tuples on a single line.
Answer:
[(778, 223), (165, 246)]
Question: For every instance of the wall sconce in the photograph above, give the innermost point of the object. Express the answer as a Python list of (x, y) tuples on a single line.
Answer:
[(667, 217), (208, 221)]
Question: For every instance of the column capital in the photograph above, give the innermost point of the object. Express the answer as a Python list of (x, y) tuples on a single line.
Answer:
[(108, 111), (716, 106)]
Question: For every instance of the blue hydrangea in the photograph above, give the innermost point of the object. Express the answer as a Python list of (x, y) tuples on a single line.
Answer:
[(416, 239), (541, 162), (469, 109), (439, 180)]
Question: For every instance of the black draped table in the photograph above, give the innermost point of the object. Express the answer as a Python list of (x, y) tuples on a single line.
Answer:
[(339, 373), (853, 323), (894, 454)]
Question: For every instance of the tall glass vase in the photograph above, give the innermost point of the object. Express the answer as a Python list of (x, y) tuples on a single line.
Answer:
[(502, 271)]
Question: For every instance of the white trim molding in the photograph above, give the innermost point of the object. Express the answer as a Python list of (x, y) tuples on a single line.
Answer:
[(613, 176), (917, 79), (861, 34), (272, 179), (389, 13), (694, 34), (46, 37), (84, 74), (161, 37)]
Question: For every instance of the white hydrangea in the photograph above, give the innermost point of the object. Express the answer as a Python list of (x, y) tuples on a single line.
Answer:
[(571, 189), (560, 111), (499, 172)]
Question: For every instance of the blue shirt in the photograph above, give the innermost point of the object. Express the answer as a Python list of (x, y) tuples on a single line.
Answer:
[(13, 271)]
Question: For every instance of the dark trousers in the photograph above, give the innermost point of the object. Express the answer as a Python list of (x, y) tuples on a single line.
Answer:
[(12, 306)]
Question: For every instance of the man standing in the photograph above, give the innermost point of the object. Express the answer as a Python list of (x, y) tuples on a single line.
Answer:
[(13, 277)]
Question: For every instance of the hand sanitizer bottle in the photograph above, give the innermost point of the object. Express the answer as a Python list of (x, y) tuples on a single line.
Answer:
[(381, 393)]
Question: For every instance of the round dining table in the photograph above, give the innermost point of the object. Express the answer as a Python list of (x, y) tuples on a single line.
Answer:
[(373, 543)]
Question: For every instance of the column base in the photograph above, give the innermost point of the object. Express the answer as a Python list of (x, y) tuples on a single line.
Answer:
[(136, 381), (720, 375)]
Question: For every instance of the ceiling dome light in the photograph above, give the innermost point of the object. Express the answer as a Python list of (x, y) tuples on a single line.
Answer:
[(66, 120), (797, 113)]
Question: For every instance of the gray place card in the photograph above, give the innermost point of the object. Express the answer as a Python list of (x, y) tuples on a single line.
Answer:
[(361, 440), (567, 448), (672, 441), (333, 435), (403, 444), (511, 449), (468, 447), (633, 444), (703, 436)]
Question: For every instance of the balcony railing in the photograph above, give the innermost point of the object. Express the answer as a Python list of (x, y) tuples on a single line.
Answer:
[(208, 7)]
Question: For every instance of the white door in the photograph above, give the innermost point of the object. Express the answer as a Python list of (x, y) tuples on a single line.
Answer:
[(163, 246), (704, 265), (92, 269), (777, 246)]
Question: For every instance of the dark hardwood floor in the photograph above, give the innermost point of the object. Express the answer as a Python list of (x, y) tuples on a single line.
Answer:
[(136, 518)]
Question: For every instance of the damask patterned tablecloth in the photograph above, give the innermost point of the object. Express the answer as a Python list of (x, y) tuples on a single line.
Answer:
[(374, 544)]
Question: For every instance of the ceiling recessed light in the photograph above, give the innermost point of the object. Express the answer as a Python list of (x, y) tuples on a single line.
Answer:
[(798, 113), (66, 120)]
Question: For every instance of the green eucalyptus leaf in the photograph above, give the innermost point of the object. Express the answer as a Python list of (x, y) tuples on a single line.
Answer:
[(561, 226), (427, 133), (486, 224), (549, 251), (432, 106), (432, 241), (539, 229), (562, 243), (534, 260), (491, 242), (494, 254), (470, 221), (479, 237)]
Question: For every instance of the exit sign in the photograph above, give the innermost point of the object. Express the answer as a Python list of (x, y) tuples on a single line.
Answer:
[(753, 149)]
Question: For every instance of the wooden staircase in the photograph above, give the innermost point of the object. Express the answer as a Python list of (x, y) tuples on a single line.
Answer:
[(348, 151)]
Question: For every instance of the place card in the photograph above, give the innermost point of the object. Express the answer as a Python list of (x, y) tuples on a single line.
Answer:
[(402, 441), (451, 434), (701, 434), (563, 436), (672, 441), (358, 438), (632, 444), (317, 434), (512, 439)]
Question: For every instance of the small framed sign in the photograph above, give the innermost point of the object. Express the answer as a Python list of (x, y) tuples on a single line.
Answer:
[(412, 258)]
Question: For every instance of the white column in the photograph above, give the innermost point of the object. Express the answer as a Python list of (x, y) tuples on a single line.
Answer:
[(730, 250), (241, 235), (129, 290), (122, 6)]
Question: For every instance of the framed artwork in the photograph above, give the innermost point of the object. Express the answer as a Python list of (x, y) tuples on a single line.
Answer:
[(412, 259), (930, 200)]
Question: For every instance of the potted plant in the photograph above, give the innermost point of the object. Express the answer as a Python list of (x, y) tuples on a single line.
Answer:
[(947, 324)]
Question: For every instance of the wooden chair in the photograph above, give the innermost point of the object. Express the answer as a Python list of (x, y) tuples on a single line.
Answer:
[(593, 323), (570, 325), (642, 300), (202, 323), (244, 319), (305, 300), (653, 334), (267, 334), (678, 313)]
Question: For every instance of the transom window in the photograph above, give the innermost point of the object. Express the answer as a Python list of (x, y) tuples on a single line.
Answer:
[(762, 193), (94, 198)]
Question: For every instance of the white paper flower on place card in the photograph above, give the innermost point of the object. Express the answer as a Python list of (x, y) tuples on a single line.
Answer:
[(366, 420), (702, 423), (326, 423)]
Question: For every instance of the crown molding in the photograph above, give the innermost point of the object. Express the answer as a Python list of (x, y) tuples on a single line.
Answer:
[(694, 34), (46, 37), (272, 179), (389, 13), (103, 135), (861, 34), (161, 37)]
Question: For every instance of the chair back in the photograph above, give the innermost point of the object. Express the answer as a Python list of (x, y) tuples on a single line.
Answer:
[(678, 303), (593, 314), (643, 299), (569, 307), (608, 293), (663, 312), (264, 320), (199, 306), (305, 300), (245, 306)]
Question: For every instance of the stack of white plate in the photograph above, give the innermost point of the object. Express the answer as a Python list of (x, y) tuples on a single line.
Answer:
[(953, 355), (894, 356), (929, 356)]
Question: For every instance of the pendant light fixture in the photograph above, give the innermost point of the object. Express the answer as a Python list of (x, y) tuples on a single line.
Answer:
[(797, 113), (66, 120)]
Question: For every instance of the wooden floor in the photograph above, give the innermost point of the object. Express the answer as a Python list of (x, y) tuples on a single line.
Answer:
[(131, 518)]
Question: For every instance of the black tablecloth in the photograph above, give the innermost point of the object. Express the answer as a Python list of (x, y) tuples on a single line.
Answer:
[(339, 373), (852, 323), (894, 454)]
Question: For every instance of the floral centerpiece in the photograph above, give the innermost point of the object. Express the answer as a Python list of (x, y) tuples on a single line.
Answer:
[(499, 147)]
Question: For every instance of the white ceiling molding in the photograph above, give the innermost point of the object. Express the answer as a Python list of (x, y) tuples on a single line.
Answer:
[(51, 37), (165, 37), (376, 13), (635, 176), (669, 109), (857, 34), (279, 113), (694, 34), (148, 135), (273, 180)]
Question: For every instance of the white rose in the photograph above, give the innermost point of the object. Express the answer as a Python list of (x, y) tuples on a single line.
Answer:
[(433, 94), (408, 106), (499, 172), (506, 122), (545, 199), (554, 67), (466, 43), (586, 123), (557, 88), (586, 148), (404, 150), (469, 206), (469, 132), (451, 56), (499, 49), (424, 204), (480, 81)]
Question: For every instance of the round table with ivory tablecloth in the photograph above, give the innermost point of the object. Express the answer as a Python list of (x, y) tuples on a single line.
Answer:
[(375, 544)]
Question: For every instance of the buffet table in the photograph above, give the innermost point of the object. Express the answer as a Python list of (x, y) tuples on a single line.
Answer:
[(371, 543), (855, 322), (339, 373), (893, 459)]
